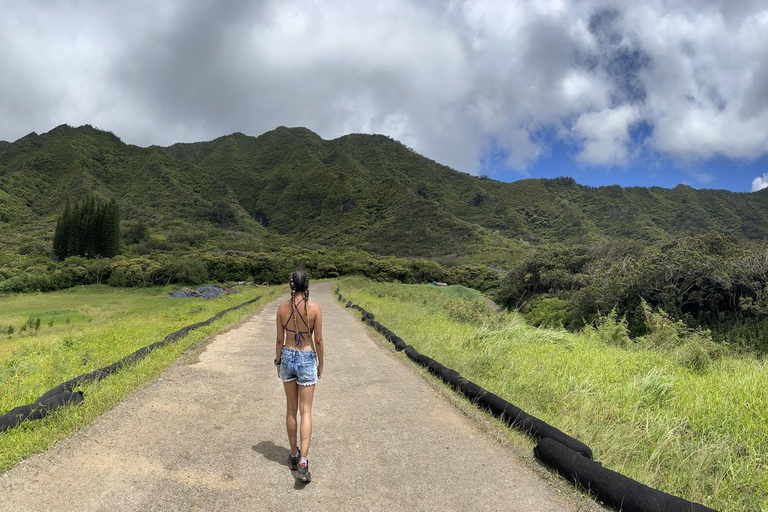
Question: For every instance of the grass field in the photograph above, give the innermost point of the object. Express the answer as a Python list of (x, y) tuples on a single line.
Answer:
[(699, 434), (48, 338)]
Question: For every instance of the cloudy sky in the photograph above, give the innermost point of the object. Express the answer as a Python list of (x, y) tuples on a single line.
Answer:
[(635, 93)]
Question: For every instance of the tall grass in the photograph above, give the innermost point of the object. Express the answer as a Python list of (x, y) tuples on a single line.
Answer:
[(85, 328), (696, 431)]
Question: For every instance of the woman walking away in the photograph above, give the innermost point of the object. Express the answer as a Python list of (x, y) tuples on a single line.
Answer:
[(299, 361)]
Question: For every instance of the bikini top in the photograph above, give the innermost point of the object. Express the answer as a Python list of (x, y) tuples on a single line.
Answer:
[(297, 336)]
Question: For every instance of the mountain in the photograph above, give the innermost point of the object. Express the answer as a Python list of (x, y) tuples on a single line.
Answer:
[(291, 187), (40, 173), (378, 191)]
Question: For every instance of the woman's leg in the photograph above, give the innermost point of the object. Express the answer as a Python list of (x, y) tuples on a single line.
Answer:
[(306, 394), (292, 407)]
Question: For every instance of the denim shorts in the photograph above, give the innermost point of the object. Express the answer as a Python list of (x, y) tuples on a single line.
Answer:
[(298, 365)]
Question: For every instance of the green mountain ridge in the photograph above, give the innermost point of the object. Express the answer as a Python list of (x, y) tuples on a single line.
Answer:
[(289, 186)]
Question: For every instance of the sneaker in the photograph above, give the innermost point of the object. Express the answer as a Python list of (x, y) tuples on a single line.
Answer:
[(293, 462), (303, 472)]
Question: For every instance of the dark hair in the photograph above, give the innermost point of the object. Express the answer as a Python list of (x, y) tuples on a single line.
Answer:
[(299, 281)]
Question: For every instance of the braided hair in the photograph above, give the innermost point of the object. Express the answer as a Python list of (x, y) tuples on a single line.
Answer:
[(299, 281)]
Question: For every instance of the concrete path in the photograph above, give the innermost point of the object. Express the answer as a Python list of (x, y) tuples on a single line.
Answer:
[(210, 435)]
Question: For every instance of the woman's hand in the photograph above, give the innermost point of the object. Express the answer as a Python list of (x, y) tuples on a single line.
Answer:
[(278, 371), (320, 372)]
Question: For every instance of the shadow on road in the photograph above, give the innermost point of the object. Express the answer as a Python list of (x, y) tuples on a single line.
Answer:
[(271, 451), (278, 454)]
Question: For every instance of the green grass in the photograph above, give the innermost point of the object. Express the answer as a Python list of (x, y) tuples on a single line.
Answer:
[(701, 435), (85, 328), (462, 292)]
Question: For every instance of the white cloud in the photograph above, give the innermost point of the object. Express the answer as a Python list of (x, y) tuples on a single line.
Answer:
[(604, 135), (703, 177), (707, 87), (760, 182), (445, 78)]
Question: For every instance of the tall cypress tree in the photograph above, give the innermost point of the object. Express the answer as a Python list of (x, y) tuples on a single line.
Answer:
[(76, 238), (100, 226), (88, 229), (61, 242), (111, 231), (88, 223)]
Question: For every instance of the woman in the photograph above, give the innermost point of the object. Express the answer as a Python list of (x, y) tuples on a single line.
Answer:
[(299, 361)]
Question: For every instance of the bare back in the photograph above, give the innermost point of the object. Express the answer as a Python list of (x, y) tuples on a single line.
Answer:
[(297, 324)]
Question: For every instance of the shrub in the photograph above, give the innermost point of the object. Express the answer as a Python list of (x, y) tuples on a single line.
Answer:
[(474, 311), (327, 270), (134, 272), (612, 330), (184, 270), (547, 311), (698, 351), (29, 282), (662, 331)]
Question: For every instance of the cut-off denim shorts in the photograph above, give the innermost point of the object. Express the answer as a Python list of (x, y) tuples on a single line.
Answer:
[(298, 365)]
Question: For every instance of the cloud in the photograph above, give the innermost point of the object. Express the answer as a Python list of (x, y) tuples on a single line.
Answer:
[(703, 177), (760, 182), (444, 77), (604, 136)]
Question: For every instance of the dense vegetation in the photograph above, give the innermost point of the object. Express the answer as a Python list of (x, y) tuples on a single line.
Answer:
[(42, 274), (713, 281), (655, 408)]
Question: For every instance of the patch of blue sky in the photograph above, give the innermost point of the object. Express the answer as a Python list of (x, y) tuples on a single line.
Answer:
[(646, 168)]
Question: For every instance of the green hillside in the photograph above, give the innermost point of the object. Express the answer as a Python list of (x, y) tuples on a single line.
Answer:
[(375, 192), (290, 187), (39, 173)]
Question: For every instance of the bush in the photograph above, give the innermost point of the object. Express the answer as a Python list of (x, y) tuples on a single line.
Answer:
[(189, 236), (134, 272), (327, 270), (425, 271), (184, 270), (476, 311), (547, 311), (98, 270), (662, 331), (698, 351), (692, 348), (612, 330), (747, 334), (29, 282)]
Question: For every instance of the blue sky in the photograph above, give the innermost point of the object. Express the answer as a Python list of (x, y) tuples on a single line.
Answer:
[(654, 170), (651, 93)]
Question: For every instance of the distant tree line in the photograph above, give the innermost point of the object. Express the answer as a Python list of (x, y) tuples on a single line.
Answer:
[(89, 229), (272, 267)]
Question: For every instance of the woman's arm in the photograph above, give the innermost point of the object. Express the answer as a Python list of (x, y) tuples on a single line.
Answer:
[(319, 347), (279, 340)]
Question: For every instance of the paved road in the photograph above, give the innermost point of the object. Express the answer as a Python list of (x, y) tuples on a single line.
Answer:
[(209, 435)]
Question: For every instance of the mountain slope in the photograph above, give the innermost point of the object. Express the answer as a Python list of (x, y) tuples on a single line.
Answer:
[(39, 173), (289, 186), (373, 180)]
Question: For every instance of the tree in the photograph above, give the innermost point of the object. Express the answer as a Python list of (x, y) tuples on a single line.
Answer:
[(88, 229), (62, 235)]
